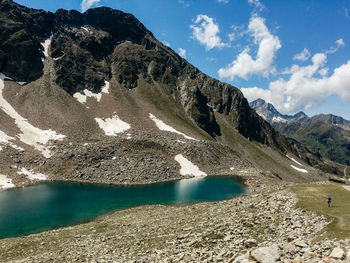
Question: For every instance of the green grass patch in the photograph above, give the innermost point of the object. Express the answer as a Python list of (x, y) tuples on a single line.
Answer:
[(313, 197)]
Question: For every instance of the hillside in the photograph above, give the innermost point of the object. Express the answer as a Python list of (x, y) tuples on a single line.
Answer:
[(94, 97), (326, 134)]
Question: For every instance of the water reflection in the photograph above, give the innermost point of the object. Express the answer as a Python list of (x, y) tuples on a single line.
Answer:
[(187, 188)]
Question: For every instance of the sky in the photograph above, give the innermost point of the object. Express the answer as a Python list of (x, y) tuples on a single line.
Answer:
[(293, 54)]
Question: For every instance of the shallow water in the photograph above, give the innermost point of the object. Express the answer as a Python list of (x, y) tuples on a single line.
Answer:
[(51, 205)]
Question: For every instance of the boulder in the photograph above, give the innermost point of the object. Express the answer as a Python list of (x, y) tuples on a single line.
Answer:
[(266, 254), (338, 253)]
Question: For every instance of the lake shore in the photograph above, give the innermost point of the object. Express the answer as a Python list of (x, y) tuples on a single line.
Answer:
[(249, 226)]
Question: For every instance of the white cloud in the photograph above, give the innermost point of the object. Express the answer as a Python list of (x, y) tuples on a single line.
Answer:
[(86, 4), (338, 44), (257, 4), (244, 65), (206, 31), (182, 52), (306, 87), (302, 56), (223, 1)]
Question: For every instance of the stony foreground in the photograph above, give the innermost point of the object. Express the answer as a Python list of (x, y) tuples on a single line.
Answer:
[(263, 226)]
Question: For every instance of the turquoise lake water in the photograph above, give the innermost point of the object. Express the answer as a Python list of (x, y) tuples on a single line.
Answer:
[(51, 205)]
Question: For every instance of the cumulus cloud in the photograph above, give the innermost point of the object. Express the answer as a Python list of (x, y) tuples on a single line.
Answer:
[(307, 86), (206, 31), (182, 52), (245, 65), (302, 56), (86, 4), (256, 4)]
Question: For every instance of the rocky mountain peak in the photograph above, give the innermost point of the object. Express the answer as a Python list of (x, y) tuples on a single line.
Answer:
[(75, 55)]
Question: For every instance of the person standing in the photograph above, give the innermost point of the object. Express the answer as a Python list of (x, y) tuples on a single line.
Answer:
[(329, 201)]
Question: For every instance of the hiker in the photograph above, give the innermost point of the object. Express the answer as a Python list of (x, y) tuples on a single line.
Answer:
[(329, 201)]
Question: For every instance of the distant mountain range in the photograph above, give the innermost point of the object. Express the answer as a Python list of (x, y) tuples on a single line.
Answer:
[(324, 133)]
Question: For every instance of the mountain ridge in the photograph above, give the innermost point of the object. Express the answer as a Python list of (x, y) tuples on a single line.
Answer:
[(325, 133), (99, 88)]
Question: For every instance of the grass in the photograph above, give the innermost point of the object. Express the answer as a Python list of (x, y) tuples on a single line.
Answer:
[(313, 197)]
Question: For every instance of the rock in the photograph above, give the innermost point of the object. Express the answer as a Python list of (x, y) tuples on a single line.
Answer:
[(338, 253), (300, 243), (266, 254), (250, 243), (241, 259)]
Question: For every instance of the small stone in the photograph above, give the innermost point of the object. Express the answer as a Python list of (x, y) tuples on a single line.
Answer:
[(250, 243), (300, 243)]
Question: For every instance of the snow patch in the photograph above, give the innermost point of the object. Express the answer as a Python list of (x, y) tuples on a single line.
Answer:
[(22, 83), (105, 88), (294, 160), (114, 157), (5, 182), (299, 169), (278, 119), (31, 175), (112, 126), (46, 44), (187, 167), (30, 135), (81, 97), (211, 107), (128, 136), (86, 29), (5, 139), (164, 127)]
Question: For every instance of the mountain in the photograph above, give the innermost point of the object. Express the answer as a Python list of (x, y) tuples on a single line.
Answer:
[(324, 133), (95, 97), (269, 113)]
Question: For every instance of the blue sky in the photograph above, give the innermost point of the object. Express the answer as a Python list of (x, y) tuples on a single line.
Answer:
[(294, 54)]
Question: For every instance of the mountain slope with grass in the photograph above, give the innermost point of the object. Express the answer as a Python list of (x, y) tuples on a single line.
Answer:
[(95, 97), (326, 134)]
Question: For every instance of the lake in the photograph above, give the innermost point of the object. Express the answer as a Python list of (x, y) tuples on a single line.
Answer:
[(51, 205)]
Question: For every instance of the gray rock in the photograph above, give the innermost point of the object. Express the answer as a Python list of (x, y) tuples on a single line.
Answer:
[(266, 254), (338, 253)]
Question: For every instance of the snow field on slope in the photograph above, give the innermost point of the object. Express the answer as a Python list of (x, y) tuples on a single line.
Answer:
[(187, 167), (164, 127), (30, 135), (81, 97), (112, 126), (299, 169), (5, 139), (5, 182), (31, 175)]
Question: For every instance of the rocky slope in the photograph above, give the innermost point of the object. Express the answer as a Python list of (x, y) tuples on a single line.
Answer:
[(94, 97), (326, 134)]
